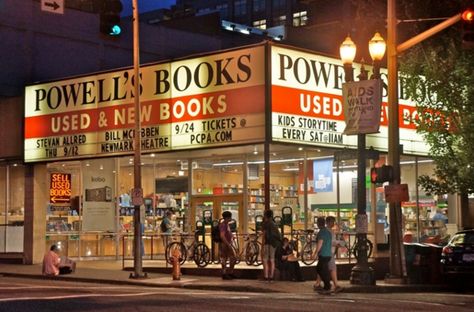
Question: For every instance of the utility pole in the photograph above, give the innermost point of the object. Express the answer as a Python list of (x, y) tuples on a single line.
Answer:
[(137, 193), (397, 253)]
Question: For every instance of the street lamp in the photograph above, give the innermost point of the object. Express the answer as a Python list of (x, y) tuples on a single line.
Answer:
[(377, 51), (348, 51), (361, 272)]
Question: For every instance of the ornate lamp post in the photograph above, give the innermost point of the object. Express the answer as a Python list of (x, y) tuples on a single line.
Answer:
[(362, 273)]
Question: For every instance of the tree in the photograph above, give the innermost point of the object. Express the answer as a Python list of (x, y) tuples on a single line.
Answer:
[(439, 77)]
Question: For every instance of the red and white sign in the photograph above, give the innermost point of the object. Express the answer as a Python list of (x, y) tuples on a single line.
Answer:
[(307, 104), (212, 100)]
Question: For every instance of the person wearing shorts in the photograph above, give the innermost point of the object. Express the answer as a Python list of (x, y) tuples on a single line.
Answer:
[(271, 240), (227, 253), (330, 221)]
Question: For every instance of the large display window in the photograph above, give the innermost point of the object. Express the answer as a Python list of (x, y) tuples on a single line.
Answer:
[(12, 211), (197, 187)]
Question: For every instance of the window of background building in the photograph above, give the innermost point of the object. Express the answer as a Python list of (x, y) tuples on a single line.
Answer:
[(279, 20), (258, 5), (240, 7), (223, 10), (262, 24), (279, 4), (300, 19)]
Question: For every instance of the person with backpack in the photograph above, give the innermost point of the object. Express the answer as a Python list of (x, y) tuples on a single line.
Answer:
[(166, 227), (227, 252), (270, 242)]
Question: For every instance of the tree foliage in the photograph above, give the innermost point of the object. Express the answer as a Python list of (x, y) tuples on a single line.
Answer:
[(439, 77)]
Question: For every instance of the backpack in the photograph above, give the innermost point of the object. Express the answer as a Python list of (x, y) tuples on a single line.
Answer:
[(272, 235), (163, 227), (215, 232)]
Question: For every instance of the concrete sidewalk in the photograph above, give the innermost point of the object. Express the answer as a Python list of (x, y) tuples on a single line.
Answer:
[(111, 272)]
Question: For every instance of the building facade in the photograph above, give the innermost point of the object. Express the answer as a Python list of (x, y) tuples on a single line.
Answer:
[(219, 129)]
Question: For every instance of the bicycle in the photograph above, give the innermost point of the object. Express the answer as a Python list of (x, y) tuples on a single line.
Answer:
[(196, 250), (310, 247), (251, 252), (361, 245)]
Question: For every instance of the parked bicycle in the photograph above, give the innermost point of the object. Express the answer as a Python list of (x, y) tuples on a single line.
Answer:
[(190, 248), (310, 247), (251, 251)]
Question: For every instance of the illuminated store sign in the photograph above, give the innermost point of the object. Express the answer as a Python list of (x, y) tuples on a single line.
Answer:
[(307, 104), (208, 101), (60, 188)]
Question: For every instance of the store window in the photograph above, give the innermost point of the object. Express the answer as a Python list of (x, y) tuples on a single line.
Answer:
[(300, 18), (425, 217), (12, 208)]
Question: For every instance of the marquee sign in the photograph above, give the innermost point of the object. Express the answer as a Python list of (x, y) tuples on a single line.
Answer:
[(307, 105), (212, 100), (207, 101)]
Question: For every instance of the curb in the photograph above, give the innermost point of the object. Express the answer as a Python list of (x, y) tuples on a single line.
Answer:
[(237, 288)]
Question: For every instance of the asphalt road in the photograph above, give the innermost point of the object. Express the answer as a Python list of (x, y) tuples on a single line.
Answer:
[(24, 295)]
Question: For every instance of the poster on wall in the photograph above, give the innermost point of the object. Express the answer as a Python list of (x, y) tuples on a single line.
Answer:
[(98, 210), (322, 171)]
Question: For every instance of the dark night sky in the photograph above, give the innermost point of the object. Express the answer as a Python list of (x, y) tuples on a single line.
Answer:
[(145, 5)]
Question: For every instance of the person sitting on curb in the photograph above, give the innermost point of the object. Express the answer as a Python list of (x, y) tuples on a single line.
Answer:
[(286, 261), (53, 265)]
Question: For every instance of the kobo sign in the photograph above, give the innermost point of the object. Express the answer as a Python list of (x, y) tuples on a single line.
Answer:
[(60, 188)]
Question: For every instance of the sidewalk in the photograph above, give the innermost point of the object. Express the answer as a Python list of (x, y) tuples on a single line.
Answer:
[(110, 272)]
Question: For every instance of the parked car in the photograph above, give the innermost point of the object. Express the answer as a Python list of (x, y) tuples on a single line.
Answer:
[(457, 257)]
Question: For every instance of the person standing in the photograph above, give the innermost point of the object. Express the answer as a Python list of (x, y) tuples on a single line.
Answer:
[(330, 221), (271, 241), (166, 227), (225, 247), (322, 254)]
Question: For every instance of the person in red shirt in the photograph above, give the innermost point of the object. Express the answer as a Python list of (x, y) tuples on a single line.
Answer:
[(51, 262)]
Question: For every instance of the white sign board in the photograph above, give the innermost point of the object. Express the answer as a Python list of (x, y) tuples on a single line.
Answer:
[(362, 101), (53, 6)]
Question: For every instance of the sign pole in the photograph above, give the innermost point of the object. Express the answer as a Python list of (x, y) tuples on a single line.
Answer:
[(137, 194)]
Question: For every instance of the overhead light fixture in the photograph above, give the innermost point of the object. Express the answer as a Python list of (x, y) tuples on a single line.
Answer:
[(255, 152)]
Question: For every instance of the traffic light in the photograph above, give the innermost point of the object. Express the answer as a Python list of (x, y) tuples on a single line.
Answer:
[(467, 19), (381, 174), (110, 17)]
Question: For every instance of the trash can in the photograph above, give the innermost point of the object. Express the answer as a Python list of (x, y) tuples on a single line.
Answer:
[(421, 270), (434, 259)]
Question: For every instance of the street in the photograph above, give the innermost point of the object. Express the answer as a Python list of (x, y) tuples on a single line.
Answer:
[(21, 294)]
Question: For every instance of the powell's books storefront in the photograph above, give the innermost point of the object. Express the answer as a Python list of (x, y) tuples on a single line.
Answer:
[(206, 121)]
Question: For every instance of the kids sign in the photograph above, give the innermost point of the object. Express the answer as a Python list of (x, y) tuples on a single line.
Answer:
[(362, 101), (60, 188)]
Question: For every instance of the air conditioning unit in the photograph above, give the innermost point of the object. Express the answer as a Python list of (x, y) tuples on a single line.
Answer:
[(253, 171)]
